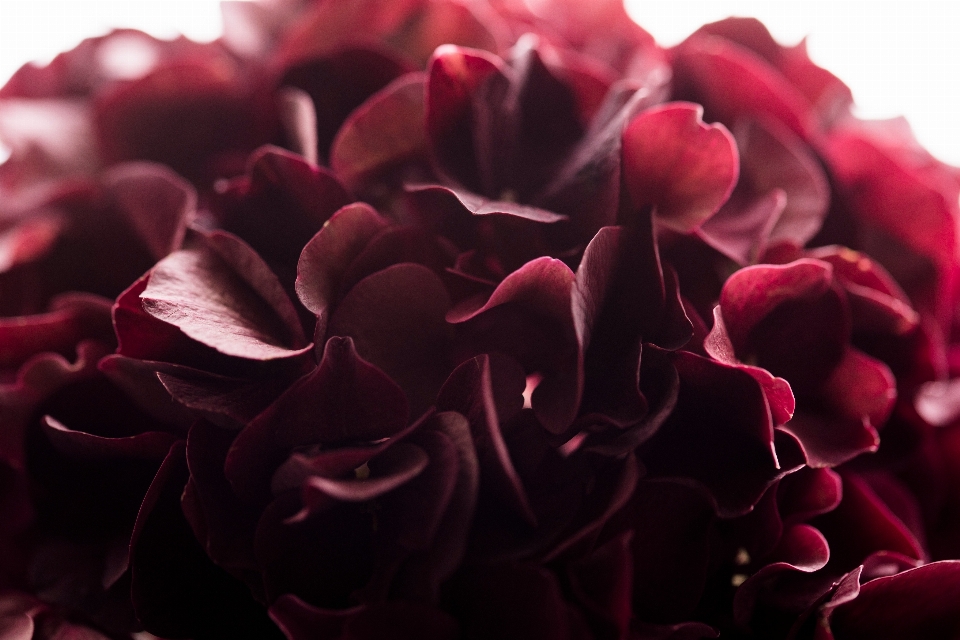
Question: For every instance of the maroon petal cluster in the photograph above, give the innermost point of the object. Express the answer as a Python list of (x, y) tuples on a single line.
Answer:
[(449, 319)]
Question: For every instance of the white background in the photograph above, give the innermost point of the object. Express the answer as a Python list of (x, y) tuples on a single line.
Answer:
[(900, 58)]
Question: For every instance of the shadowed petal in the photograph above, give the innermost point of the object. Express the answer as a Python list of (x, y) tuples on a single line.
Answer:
[(396, 319), (917, 603), (345, 399), (387, 128), (156, 202), (530, 315)]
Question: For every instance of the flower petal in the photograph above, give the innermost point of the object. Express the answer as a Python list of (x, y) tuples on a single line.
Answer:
[(454, 76), (529, 316), (481, 206), (862, 388), (155, 201), (488, 391), (394, 467), (327, 256), (87, 446), (733, 82), (218, 291), (176, 590), (684, 168), (71, 318), (198, 117), (396, 319), (862, 525), (344, 400), (880, 181), (336, 84), (720, 435), (917, 603), (753, 292), (386, 129)]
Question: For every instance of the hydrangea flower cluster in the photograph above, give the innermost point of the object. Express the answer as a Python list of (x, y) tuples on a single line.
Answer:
[(471, 319)]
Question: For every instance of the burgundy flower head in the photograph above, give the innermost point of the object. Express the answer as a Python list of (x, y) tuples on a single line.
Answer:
[(463, 319)]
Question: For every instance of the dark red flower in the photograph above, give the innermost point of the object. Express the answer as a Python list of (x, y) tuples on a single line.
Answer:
[(468, 321)]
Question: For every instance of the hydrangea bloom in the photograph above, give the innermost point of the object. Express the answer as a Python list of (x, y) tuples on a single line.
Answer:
[(455, 319)]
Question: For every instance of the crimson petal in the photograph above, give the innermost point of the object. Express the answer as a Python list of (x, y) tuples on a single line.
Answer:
[(801, 550), (221, 522), (140, 335), (71, 318), (218, 291), (336, 84), (156, 202), (394, 467), (539, 294), (779, 394), (808, 492), (327, 256), (610, 492), (861, 388), (620, 300), (396, 244), (482, 206), (454, 76), (877, 302), (488, 391), (781, 197), (826, 93), (195, 116), (880, 182), (917, 603), (683, 167), (659, 384), (411, 27), (427, 570), (734, 82), (386, 129), (396, 319), (80, 445), (345, 399), (774, 157), (230, 402), (828, 441), (752, 293), (741, 229), (330, 464), (138, 379), (413, 511), (279, 204), (720, 435), (323, 559), (603, 583), (861, 525), (586, 187), (299, 122)]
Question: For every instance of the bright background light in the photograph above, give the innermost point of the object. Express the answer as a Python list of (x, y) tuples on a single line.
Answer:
[(900, 58), (39, 29)]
